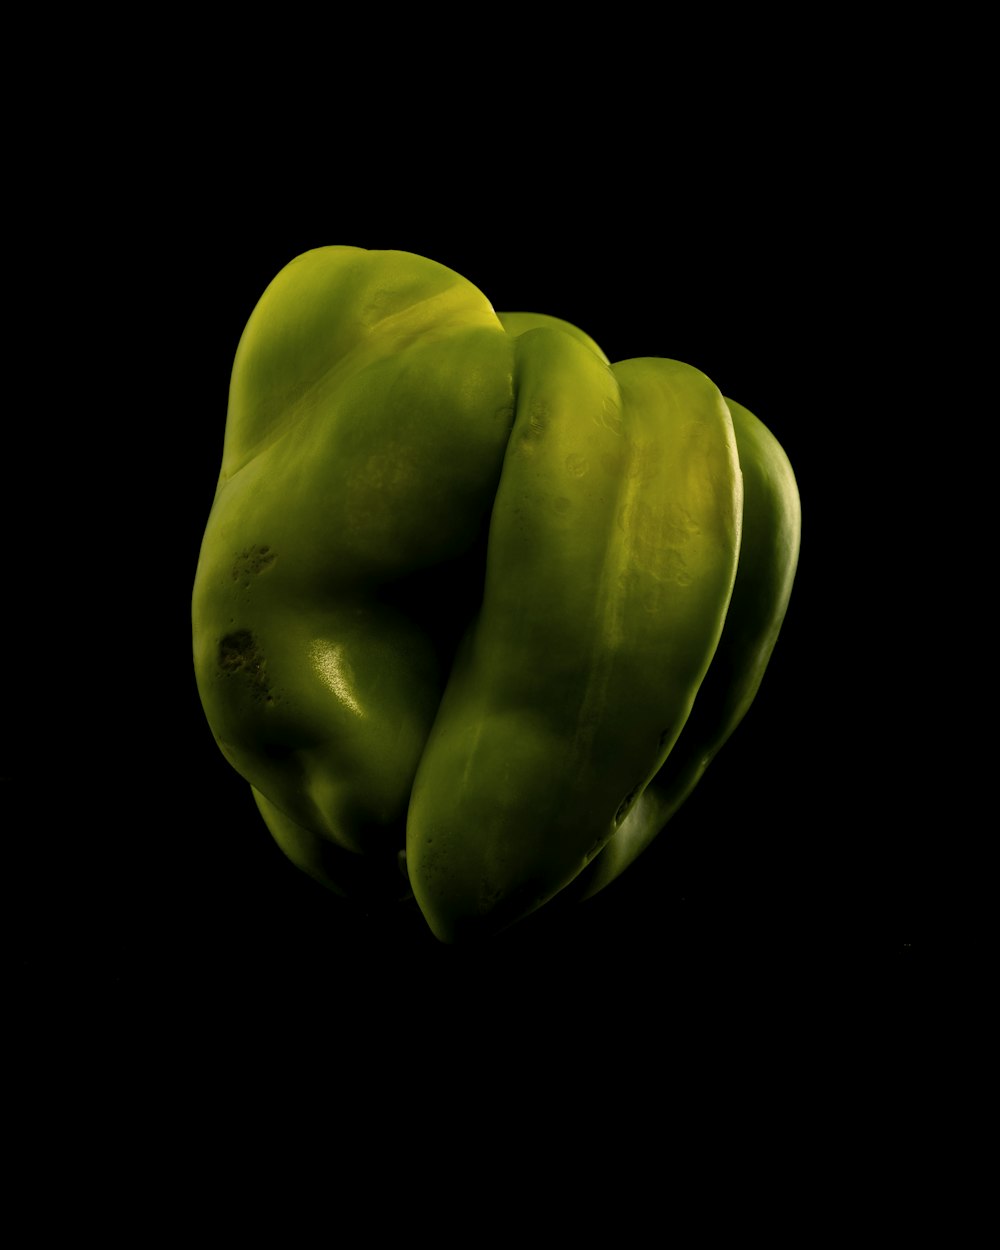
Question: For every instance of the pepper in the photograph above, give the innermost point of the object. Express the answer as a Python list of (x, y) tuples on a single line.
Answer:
[(474, 608)]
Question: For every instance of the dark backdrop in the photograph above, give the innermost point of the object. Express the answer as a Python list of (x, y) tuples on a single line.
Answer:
[(148, 877)]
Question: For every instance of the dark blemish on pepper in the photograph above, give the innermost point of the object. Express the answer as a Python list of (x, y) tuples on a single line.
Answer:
[(240, 654), (252, 561)]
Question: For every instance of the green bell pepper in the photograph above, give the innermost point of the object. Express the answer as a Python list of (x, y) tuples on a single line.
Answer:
[(474, 609)]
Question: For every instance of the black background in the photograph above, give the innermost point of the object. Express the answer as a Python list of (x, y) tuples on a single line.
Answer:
[(750, 1023), (145, 886)]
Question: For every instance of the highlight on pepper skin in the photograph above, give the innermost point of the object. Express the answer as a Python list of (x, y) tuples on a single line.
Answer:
[(475, 607)]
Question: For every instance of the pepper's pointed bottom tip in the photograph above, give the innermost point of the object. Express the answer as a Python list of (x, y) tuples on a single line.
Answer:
[(493, 919), (463, 931), (458, 925)]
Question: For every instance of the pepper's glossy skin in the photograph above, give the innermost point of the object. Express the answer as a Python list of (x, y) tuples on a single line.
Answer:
[(472, 613)]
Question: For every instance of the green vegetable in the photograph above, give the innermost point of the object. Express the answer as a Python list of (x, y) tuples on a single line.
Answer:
[(475, 609)]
